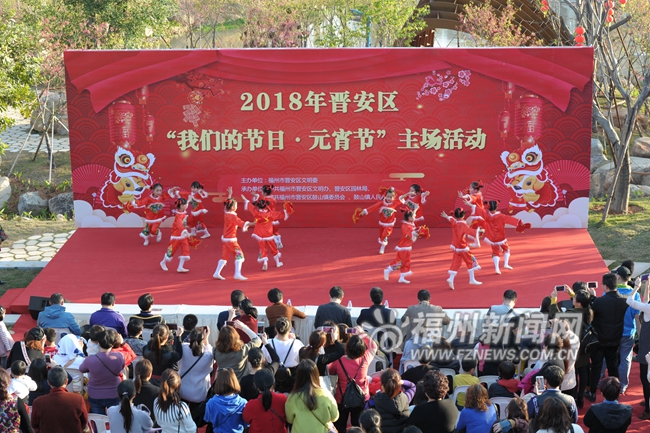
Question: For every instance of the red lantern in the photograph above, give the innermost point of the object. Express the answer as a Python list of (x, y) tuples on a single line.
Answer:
[(504, 123), (508, 88), (142, 93), (149, 127), (544, 8), (610, 18), (528, 118), (579, 39), (121, 120), (623, 2), (610, 4), (610, 12), (580, 30)]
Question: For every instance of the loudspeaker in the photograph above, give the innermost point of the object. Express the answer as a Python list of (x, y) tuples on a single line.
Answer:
[(36, 305)]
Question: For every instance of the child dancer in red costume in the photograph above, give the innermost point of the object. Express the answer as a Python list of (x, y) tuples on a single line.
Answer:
[(267, 194), (229, 245), (153, 213), (195, 197), (459, 230), (495, 233), (386, 208), (263, 233), (414, 199), (474, 197), (403, 260), (179, 238)]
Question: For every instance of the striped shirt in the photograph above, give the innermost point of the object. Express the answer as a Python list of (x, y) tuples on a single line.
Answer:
[(177, 419)]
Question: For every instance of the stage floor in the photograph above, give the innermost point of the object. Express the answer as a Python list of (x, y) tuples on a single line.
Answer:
[(94, 261)]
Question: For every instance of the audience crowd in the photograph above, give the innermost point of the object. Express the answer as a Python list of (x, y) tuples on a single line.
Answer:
[(505, 372)]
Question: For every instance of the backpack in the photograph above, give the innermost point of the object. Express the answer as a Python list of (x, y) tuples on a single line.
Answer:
[(588, 339), (353, 397), (284, 376)]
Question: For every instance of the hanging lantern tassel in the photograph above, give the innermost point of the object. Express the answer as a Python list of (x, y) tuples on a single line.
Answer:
[(149, 127), (508, 88), (504, 123), (142, 93)]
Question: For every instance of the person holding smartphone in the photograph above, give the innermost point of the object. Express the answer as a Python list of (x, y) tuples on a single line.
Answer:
[(644, 342), (324, 348)]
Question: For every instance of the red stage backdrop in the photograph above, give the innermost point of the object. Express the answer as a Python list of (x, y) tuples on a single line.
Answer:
[(329, 127)]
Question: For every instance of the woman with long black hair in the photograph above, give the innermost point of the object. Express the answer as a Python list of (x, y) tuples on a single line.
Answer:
[(172, 414), (309, 407), (164, 350), (266, 412), (127, 418)]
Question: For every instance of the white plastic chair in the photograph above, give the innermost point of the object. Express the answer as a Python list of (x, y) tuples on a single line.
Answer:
[(459, 390), (407, 365), (501, 403), (98, 423), (449, 372), (60, 332), (372, 368), (488, 379)]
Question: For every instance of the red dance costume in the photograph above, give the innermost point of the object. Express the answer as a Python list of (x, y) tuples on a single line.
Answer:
[(196, 210), (179, 238), (414, 204), (276, 224), (263, 232), (476, 219), (460, 230), (495, 235), (153, 215), (387, 216), (403, 260), (229, 245)]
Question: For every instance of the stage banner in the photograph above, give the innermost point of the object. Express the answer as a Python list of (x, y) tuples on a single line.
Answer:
[(330, 129)]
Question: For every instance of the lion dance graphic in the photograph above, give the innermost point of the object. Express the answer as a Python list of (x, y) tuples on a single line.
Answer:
[(129, 179)]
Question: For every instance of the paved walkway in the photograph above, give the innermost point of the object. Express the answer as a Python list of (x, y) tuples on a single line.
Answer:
[(34, 251), (15, 136)]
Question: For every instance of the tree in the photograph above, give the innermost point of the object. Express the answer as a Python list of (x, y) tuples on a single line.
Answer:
[(275, 23), (490, 27), (622, 79), (19, 66), (201, 21)]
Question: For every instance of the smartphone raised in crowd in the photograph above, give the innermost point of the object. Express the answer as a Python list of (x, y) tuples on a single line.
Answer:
[(593, 284), (48, 359), (260, 328), (559, 288), (644, 277), (327, 329), (540, 383), (352, 331), (172, 326)]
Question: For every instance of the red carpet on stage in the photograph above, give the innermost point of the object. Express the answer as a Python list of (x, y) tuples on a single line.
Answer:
[(94, 261)]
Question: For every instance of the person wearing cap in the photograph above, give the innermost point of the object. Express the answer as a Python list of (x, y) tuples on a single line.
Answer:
[(609, 316), (55, 316), (29, 349), (630, 324)]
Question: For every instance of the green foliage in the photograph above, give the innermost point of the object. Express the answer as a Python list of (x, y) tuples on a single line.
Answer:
[(19, 67)]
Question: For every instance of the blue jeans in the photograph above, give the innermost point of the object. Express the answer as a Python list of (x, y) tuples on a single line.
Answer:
[(627, 343), (99, 405)]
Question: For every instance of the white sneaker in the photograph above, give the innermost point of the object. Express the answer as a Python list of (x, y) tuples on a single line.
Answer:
[(159, 236), (451, 283), (163, 265), (403, 280), (387, 272), (218, 277), (205, 236), (146, 241), (182, 270), (265, 266)]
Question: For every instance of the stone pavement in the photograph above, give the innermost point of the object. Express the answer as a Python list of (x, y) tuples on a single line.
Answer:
[(33, 252), (15, 136)]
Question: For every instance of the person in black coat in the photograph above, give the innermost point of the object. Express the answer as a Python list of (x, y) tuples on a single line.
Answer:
[(164, 350), (609, 416), (145, 392), (333, 311), (439, 414), (609, 315), (257, 362)]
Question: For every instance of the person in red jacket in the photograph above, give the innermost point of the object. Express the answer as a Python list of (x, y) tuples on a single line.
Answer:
[(414, 199), (267, 194), (195, 197), (265, 414), (474, 197), (460, 230), (386, 208), (153, 212), (179, 238), (229, 245), (495, 232), (263, 233), (59, 411), (402, 262)]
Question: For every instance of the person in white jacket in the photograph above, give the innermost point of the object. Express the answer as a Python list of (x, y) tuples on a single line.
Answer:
[(21, 384)]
